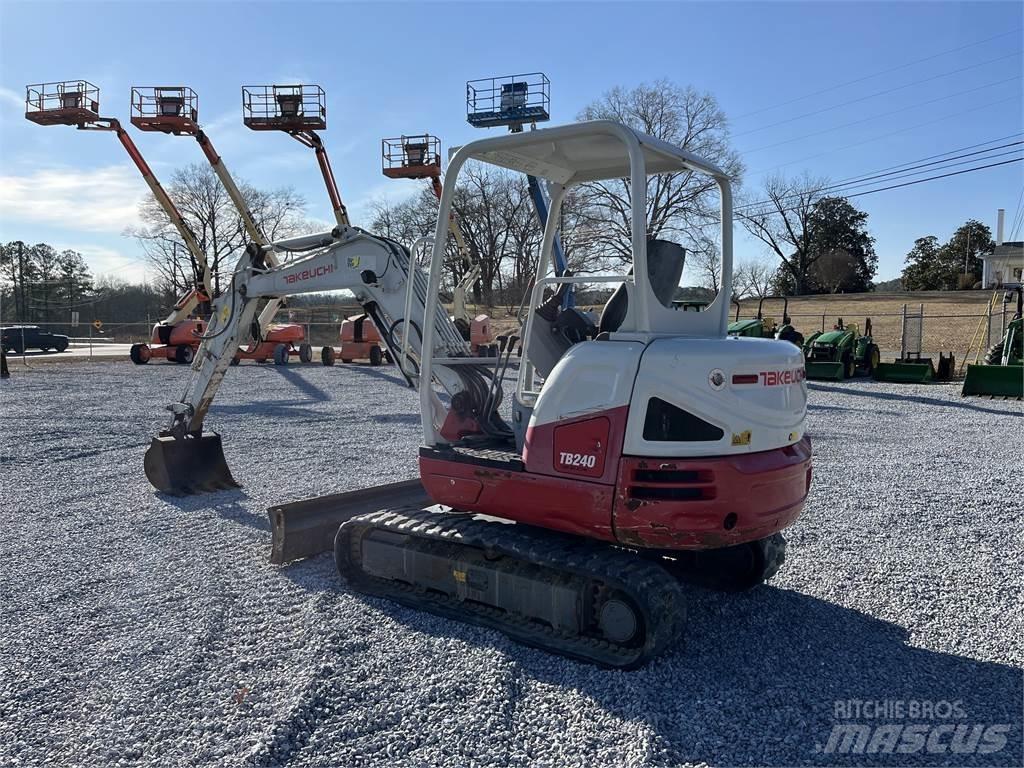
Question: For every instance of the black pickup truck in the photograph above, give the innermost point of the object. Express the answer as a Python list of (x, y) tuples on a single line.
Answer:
[(18, 338)]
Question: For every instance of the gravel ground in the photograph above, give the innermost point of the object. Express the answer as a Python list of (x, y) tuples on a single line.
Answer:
[(147, 630)]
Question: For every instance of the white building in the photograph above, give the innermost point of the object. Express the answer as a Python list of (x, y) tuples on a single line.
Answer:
[(1004, 265)]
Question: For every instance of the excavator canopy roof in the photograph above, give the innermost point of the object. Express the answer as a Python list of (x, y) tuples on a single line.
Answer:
[(589, 151)]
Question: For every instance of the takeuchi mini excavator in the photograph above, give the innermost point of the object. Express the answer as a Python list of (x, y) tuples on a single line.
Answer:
[(646, 444)]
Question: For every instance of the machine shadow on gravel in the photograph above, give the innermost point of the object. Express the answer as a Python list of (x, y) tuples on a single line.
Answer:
[(229, 505), (953, 402), (760, 677), (313, 392)]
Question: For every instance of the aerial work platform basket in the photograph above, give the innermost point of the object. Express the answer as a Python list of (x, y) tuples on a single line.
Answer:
[(284, 107), (67, 102), (513, 100), (411, 157), (165, 108)]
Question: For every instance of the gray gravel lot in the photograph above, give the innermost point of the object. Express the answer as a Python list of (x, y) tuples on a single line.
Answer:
[(139, 629)]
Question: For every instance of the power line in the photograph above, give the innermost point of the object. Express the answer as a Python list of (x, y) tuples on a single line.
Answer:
[(905, 184), (913, 163), (882, 72), (874, 95), (905, 170), (972, 109), (885, 114)]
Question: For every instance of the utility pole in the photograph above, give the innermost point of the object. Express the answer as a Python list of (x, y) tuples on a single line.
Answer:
[(20, 311), (968, 254)]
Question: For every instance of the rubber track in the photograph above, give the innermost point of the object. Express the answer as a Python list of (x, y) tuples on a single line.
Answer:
[(648, 585)]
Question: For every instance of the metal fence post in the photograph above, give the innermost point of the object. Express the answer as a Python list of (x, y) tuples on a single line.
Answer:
[(822, 322), (90, 341)]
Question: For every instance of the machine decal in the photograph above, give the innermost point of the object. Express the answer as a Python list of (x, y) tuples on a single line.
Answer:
[(780, 378), (309, 274), (579, 448), (743, 438)]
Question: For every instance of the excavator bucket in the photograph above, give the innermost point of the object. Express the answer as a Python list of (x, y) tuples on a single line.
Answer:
[(307, 528), (823, 369), (904, 372), (994, 381), (185, 465)]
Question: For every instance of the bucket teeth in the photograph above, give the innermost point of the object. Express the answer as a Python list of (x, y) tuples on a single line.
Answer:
[(181, 466)]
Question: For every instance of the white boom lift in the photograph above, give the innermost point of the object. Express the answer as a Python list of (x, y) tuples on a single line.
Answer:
[(642, 444)]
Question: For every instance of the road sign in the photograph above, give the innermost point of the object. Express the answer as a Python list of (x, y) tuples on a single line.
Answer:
[(97, 324)]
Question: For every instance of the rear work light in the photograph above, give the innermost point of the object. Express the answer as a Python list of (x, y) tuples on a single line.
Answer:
[(744, 378)]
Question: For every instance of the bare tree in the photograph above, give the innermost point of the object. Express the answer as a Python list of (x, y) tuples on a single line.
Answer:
[(782, 219), (217, 225), (752, 277), (705, 261), (681, 206)]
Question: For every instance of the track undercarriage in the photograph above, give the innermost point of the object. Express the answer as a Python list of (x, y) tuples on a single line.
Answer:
[(580, 598)]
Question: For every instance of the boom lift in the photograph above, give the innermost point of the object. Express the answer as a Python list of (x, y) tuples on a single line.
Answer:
[(174, 110), (512, 101), (77, 103), (300, 111), (419, 157), (654, 440)]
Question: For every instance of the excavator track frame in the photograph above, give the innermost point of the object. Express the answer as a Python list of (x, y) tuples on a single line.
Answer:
[(491, 561)]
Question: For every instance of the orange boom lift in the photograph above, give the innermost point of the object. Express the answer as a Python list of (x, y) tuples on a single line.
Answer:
[(419, 157), (77, 103), (174, 110)]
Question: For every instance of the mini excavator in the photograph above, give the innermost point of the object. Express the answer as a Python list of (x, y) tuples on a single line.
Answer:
[(646, 441)]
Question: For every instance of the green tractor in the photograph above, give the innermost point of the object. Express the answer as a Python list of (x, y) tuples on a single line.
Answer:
[(1002, 374), (840, 353), (762, 327)]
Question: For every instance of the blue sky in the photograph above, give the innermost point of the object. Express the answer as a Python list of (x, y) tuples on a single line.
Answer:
[(391, 68)]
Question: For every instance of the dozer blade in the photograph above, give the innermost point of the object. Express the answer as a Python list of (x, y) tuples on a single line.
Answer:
[(185, 465), (994, 381), (824, 370), (307, 528), (905, 373)]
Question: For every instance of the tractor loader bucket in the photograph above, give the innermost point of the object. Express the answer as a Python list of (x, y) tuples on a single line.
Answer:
[(905, 372), (307, 528), (820, 369), (185, 465), (994, 381)]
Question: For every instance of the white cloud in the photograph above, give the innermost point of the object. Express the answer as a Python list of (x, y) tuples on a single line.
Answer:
[(104, 261), (97, 200)]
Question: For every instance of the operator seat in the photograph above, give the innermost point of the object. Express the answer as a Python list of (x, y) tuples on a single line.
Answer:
[(665, 261)]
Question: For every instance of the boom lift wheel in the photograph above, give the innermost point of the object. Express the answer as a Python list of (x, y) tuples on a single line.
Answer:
[(184, 354), (281, 354), (376, 356), (305, 353), (327, 356), (139, 354)]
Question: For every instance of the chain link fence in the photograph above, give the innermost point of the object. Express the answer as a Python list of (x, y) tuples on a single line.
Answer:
[(960, 333)]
